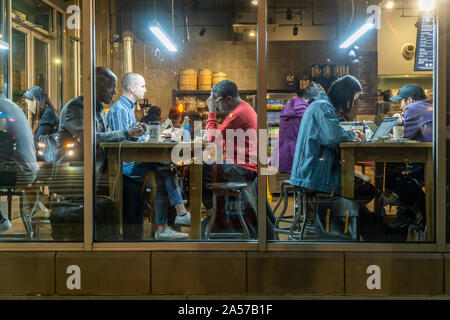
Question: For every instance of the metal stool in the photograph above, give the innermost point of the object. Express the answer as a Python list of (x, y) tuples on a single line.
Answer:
[(224, 188), (285, 189), (304, 217), (415, 231), (8, 188)]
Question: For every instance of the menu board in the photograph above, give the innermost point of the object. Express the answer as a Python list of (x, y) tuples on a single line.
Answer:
[(425, 41)]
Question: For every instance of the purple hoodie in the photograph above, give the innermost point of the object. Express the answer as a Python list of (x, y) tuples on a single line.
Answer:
[(290, 119), (418, 121)]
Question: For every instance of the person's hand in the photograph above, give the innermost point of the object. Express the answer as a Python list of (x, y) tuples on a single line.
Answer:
[(211, 102), (136, 130), (359, 136), (399, 116), (390, 136)]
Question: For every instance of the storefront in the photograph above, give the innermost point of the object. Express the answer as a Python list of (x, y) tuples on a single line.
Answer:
[(81, 227)]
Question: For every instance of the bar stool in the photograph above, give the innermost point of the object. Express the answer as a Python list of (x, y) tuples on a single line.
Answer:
[(415, 231), (8, 188), (225, 188), (304, 217), (285, 189)]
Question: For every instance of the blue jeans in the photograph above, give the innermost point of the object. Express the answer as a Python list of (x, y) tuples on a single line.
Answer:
[(166, 188)]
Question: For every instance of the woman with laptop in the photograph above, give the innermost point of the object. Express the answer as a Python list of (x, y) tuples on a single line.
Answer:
[(316, 162)]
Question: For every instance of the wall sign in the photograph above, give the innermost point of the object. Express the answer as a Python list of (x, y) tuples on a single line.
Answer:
[(425, 43)]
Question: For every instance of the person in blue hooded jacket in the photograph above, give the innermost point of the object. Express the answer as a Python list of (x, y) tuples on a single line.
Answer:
[(316, 160)]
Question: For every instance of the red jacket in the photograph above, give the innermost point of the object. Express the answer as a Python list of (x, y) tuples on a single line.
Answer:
[(242, 117)]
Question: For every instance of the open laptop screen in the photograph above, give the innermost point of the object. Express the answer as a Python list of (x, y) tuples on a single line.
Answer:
[(385, 127)]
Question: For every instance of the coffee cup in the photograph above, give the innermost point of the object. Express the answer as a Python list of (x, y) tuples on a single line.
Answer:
[(398, 131), (154, 131)]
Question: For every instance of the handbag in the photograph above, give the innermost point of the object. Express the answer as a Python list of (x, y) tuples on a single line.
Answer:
[(336, 218), (47, 147)]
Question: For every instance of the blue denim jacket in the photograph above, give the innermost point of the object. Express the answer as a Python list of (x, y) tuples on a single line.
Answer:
[(316, 160)]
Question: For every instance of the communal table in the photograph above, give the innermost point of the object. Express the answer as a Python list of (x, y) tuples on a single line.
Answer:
[(153, 152), (382, 152)]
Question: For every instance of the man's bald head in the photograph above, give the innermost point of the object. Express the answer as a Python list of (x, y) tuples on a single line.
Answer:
[(105, 83)]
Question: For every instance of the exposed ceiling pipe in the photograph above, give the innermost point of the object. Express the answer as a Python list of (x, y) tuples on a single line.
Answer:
[(186, 20)]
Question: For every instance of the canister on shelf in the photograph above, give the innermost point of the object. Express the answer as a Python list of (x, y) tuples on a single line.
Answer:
[(188, 79), (218, 76), (204, 79)]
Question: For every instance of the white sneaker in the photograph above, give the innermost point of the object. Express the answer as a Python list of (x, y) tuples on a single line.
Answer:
[(184, 220), (41, 212), (5, 225), (170, 234)]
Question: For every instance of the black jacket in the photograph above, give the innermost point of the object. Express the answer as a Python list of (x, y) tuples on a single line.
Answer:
[(48, 123)]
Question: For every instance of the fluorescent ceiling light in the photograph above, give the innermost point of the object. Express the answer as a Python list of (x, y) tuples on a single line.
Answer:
[(426, 5), (158, 31), (366, 27), (4, 45)]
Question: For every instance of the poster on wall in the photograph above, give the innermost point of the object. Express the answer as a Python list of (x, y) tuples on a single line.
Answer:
[(425, 43)]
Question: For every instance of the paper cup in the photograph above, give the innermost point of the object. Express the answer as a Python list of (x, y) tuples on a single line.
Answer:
[(398, 132)]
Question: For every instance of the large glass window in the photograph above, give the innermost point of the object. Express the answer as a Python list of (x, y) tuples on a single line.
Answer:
[(34, 11), (209, 192), (4, 47), (350, 119), (41, 163)]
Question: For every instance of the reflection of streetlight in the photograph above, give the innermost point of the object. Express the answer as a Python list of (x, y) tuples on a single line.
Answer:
[(390, 5), (252, 34), (255, 2), (1, 36), (426, 5), (57, 60)]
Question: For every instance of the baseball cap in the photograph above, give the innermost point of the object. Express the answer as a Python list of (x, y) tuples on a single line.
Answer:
[(413, 91)]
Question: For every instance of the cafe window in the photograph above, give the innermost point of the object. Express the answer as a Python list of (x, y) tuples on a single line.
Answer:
[(338, 74), (4, 47), (35, 12), (172, 183), (42, 182)]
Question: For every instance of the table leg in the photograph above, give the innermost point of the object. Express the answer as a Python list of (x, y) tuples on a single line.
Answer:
[(195, 176), (348, 172), (378, 175), (429, 195), (114, 168)]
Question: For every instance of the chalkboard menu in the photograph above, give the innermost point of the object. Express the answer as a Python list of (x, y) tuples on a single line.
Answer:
[(425, 40)]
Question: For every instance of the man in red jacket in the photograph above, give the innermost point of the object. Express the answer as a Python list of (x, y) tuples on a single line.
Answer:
[(239, 138)]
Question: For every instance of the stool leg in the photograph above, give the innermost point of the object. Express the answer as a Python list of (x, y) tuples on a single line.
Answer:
[(305, 213), (294, 223), (24, 217), (213, 217), (281, 198), (286, 201), (241, 218), (9, 196)]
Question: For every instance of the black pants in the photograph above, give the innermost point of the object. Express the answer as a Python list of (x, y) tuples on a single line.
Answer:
[(213, 173), (133, 215)]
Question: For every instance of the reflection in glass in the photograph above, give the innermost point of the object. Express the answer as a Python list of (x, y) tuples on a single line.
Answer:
[(34, 11), (41, 64), (19, 67)]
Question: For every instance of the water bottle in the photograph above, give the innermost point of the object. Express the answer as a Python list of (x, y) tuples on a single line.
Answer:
[(186, 133)]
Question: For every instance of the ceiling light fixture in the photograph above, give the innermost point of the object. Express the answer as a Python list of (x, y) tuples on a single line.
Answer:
[(295, 31), (366, 27), (289, 14), (255, 2), (252, 34), (426, 5), (4, 45), (162, 36), (202, 31), (389, 4)]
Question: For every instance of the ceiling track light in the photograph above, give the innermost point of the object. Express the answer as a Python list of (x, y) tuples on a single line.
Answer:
[(289, 14), (426, 5), (162, 36), (202, 31), (295, 31), (366, 27)]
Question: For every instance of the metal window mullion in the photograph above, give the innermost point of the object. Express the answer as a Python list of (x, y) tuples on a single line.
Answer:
[(88, 114), (440, 105), (261, 113)]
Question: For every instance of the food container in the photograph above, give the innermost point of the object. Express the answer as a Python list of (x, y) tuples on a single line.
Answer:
[(204, 79), (218, 76), (188, 79)]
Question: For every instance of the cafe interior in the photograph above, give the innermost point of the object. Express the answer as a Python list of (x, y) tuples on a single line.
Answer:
[(182, 48)]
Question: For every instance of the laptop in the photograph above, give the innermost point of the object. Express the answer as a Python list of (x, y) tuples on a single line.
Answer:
[(383, 130)]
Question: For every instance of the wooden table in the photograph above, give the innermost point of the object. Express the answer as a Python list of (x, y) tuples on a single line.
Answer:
[(153, 152), (381, 153)]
